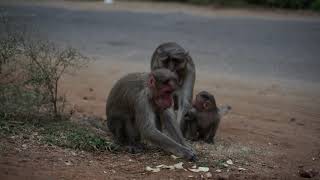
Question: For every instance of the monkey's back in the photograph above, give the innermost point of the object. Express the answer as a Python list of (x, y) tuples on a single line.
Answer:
[(123, 95)]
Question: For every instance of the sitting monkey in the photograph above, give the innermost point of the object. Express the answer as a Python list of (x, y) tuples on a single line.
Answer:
[(202, 121), (138, 106)]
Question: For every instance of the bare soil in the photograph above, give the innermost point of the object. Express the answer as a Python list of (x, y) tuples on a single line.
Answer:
[(271, 132)]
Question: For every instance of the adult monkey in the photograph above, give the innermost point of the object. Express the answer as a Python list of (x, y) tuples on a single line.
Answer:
[(172, 56), (139, 105)]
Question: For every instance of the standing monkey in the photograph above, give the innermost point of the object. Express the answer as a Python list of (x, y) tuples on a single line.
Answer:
[(139, 106), (173, 57), (202, 121)]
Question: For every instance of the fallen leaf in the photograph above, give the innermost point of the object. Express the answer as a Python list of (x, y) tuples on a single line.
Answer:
[(178, 165), (241, 169), (165, 167), (200, 169), (68, 163), (229, 162), (148, 168), (203, 169), (174, 157)]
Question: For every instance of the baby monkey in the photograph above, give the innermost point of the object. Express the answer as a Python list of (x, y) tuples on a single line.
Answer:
[(202, 121)]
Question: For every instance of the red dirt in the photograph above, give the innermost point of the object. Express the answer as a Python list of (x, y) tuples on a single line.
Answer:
[(271, 131)]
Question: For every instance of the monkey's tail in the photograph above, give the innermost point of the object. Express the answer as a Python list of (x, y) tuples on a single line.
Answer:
[(223, 110)]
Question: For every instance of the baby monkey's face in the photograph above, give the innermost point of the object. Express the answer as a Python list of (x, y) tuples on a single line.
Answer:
[(204, 102)]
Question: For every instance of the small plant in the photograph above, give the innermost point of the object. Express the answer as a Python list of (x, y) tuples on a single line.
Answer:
[(10, 38), (46, 65), (30, 71)]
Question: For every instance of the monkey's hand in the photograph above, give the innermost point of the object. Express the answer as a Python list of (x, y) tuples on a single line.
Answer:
[(189, 154), (190, 115)]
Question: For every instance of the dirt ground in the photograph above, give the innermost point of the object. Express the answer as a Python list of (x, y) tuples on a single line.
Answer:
[(272, 132)]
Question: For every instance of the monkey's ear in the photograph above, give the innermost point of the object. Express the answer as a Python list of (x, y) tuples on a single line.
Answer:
[(151, 81)]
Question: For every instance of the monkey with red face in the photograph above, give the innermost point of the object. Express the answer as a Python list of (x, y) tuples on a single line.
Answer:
[(202, 121), (138, 106)]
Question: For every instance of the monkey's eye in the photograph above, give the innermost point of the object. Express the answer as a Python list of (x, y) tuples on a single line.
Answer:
[(166, 81), (179, 60)]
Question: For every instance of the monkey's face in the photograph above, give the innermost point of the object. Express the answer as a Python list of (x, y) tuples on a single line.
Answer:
[(162, 86), (204, 102), (175, 63)]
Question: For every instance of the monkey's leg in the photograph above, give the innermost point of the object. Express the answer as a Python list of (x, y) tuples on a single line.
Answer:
[(116, 125), (134, 144), (124, 132), (209, 137)]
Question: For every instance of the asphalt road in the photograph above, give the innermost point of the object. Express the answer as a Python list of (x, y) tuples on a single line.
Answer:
[(242, 46)]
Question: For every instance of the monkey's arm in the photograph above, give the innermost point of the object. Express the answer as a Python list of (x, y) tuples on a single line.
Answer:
[(185, 93), (172, 127), (145, 119)]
